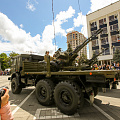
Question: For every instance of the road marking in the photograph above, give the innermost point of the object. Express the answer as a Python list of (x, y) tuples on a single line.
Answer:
[(16, 109), (100, 110), (109, 100), (51, 113), (13, 105)]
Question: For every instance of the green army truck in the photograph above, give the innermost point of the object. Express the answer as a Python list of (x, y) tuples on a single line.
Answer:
[(59, 80)]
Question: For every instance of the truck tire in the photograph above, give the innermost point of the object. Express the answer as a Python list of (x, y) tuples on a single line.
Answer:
[(114, 86), (44, 92), (16, 89), (96, 90), (68, 97)]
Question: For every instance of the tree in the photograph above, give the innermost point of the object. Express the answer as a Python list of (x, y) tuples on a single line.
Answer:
[(116, 56), (69, 48), (82, 59), (11, 55), (4, 61)]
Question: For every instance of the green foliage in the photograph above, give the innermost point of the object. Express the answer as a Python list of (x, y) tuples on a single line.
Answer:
[(69, 48), (13, 54), (6, 60), (116, 56), (82, 59)]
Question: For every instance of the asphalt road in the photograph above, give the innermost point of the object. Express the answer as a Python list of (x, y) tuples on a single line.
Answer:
[(24, 106)]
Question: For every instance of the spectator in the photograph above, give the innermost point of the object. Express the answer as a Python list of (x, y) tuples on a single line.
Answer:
[(114, 64), (96, 67)]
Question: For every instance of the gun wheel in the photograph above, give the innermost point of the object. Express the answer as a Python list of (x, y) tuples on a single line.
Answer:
[(16, 89), (68, 97), (44, 92)]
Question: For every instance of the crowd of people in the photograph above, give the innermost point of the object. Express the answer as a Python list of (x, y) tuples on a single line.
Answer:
[(114, 66), (6, 72)]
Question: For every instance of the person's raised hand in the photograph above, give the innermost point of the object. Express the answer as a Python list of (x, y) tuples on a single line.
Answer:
[(5, 98)]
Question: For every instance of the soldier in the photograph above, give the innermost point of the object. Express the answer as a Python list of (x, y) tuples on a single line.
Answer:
[(46, 55)]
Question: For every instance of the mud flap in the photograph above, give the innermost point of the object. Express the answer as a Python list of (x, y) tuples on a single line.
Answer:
[(92, 98)]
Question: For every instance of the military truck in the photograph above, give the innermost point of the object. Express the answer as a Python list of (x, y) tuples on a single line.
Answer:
[(59, 80)]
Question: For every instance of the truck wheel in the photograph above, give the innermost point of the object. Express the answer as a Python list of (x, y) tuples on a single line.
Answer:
[(68, 97), (16, 89), (96, 90), (114, 86), (44, 92)]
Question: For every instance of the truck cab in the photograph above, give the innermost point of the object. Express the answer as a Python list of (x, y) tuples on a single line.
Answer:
[(18, 60)]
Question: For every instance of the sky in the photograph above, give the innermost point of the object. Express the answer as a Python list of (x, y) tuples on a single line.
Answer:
[(27, 25)]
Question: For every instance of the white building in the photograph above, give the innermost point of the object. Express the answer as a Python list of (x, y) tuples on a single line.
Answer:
[(107, 18)]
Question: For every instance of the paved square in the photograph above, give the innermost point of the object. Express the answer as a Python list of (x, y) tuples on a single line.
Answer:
[(51, 113)]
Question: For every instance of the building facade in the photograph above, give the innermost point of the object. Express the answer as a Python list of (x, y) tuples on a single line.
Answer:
[(75, 38), (107, 18)]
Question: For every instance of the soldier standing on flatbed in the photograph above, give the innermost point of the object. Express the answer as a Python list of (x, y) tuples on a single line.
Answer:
[(47, 55)]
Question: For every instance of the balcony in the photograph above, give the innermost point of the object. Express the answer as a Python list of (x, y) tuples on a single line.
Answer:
[(113, 22), (103, 35), (116, 44), (94, 28), (105, 46), (96, 47), (102, 26), (94, 38), (114, 32)]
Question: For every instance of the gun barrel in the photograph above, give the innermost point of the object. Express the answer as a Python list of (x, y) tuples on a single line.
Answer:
[(91, 60), (78, 48)]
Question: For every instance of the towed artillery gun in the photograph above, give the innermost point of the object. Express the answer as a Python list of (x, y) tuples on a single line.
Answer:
[(58, 81)]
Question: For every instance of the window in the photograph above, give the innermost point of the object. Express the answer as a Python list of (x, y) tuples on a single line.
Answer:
[(114, 27), (92, 32), (104, 20), (70, 36), (76, 42), (101, 22), (111, 28), (96, 42), (93, 43), (96, 51), (93, 24), (111, 18), (104, 41), (105, 52), (73, 36), (114, 38), (104, 30)]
